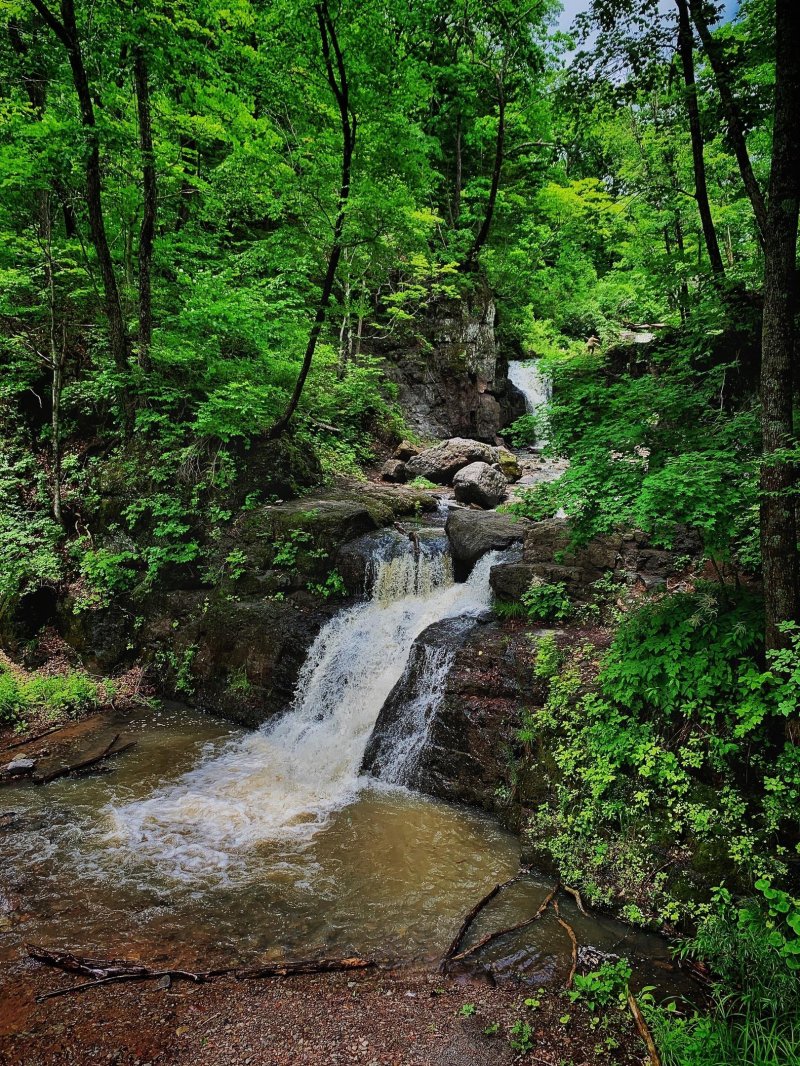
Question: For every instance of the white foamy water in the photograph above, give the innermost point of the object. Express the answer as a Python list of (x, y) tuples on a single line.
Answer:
[(535, 386), (285, 781)]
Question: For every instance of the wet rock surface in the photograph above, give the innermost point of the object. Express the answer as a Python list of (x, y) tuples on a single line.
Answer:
[(473, 533), (469, 744)]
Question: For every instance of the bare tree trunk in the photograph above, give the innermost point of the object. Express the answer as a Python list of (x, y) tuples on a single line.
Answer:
[(778, 522), (148, 228), (686, 51), (483, 232), (457, 177), (66, 31), (733, 115), (337, 79)]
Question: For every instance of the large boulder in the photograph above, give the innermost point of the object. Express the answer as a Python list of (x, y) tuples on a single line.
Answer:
[(473, 533), (442, 462), (480, 483)]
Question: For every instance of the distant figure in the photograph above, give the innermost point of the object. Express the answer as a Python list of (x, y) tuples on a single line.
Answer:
[(592, 344)]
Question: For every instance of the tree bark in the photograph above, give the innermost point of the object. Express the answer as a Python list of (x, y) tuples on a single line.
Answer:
[(337, 79), (733, 116), (66, 31), (150, 191), (686, 52), (497, 169), (778, 523)]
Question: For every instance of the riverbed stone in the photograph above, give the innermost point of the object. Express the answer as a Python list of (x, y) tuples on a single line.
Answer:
[(480, 483), (440, 463)]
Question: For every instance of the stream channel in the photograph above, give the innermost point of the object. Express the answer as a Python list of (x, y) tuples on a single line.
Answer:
[(209, 846)]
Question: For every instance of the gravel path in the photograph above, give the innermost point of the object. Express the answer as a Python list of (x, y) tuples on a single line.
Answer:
[(400, 1017)]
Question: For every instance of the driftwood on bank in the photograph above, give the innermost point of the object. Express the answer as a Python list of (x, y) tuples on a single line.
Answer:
[(108, 971), (644, 1030)]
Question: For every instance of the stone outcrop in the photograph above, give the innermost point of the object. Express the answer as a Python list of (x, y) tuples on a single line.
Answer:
[(481, 484), (473, 533), (627, 557), (237, 659), (471, 739), (450, 371)]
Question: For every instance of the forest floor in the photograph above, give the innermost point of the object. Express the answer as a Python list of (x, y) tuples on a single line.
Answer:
[(400, 1017)]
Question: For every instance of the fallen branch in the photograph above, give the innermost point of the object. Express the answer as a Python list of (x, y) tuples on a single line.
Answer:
[(286, 969), (577, 897), (84, 764), (491, 937), (471, 916), (106, 971), (644, 1030), (573, 941), (103, 971), (31, 740)]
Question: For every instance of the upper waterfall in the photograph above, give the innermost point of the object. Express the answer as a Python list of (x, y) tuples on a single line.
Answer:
[(284, 781), (535, 386)]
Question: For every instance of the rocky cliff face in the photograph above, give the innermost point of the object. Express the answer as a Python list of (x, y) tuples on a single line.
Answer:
[(451, 374)]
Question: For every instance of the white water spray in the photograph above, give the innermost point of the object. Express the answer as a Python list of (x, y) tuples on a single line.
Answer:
[(535, 386), (285, 781)]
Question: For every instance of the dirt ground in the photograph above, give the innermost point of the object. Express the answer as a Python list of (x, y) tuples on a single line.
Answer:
[(399, 1017)]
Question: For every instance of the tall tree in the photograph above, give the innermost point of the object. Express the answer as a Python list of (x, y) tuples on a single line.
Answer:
[(733, 115), (336, 73), (778, 348), (66, 31), (686, 53)]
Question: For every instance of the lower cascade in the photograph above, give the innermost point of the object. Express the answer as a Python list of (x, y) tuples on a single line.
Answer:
[(283, 782)]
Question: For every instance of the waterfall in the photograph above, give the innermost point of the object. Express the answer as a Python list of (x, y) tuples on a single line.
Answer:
[(535, 387), (285, 781)]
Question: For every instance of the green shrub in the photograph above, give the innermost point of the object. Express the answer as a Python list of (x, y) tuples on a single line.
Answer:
[(546, 602)]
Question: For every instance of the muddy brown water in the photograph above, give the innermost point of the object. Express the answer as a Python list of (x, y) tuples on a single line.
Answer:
[(391, 875)]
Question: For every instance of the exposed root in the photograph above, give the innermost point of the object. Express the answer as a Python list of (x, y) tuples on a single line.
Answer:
[(573, 941), (577, 897)]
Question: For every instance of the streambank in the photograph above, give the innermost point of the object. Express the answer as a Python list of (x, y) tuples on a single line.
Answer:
[(407, 1017)]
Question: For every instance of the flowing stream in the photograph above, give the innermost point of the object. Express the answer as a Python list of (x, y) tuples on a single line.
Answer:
[(208, 846)]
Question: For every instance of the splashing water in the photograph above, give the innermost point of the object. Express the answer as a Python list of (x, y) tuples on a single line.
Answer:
[(535, 386), (284, 782)]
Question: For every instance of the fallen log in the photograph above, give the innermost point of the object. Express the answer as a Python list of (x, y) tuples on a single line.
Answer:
[(491, 937), (644, 1030), (470, 917), (108, 752), (107, 971)]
